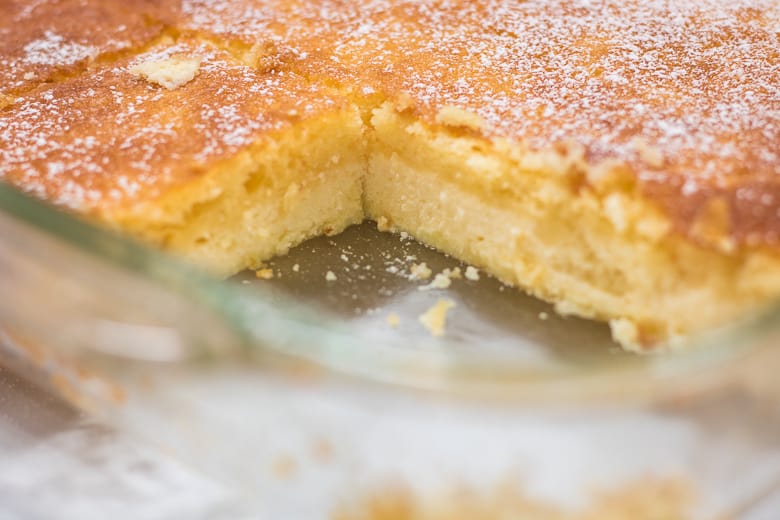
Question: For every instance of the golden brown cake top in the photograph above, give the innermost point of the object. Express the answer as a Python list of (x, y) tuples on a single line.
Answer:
[(127, 132), (290, 33), (686, 93), (41, 39)]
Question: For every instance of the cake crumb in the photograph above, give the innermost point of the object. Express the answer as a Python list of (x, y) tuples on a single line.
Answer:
[(435, 318), (443, 279), (384, 224), (624, 331), (404, 101), (472, 273), (440, 281), (331, 276), (453, 274), (450, 115), (543, 316), (565, 308), (420, 271), (170, 73), (393, 320), (265, 273), (296, 268)]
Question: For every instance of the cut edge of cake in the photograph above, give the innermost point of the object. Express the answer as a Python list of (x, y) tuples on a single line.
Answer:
[(579, 235), (601, 252), (292, 185), (597, 249)]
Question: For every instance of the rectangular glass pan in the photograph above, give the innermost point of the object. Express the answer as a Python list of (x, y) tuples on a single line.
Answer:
[(238, 379)]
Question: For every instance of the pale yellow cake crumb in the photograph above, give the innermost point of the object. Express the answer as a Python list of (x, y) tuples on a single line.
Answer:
[(384, 224), (393, 320), (296, 268), (331, 276), (264, 273), (472, 273), (543, 316), (440, 281), (450, 115), (565, 308), (420, 271), (624, 331), (170, 73), (435, 318), (404, 101), (453, 274)]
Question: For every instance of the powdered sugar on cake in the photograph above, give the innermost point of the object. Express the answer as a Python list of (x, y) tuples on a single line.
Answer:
[(59, 144), (53, 49), (698, 82), (684, 93), (686, 76)]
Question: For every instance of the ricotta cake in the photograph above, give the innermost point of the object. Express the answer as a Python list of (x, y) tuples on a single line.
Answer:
[(617, 158)]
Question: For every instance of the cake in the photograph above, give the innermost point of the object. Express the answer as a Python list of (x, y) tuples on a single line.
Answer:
[(44, 41), (617, 158)]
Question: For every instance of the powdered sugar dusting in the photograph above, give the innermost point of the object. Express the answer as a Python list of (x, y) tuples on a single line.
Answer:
[(688, 77), (39, 40), (697, 82), (52, 49), (682, 75), (109, 137)]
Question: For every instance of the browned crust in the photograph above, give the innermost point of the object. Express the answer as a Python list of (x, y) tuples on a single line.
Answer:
[(109, 139), (42, 42), (682, 97)]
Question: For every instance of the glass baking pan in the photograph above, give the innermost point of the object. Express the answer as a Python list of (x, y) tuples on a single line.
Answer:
[(68, 283), (328, 340)]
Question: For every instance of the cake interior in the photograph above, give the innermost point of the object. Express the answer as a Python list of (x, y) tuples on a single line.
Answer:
[(515, 214)]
